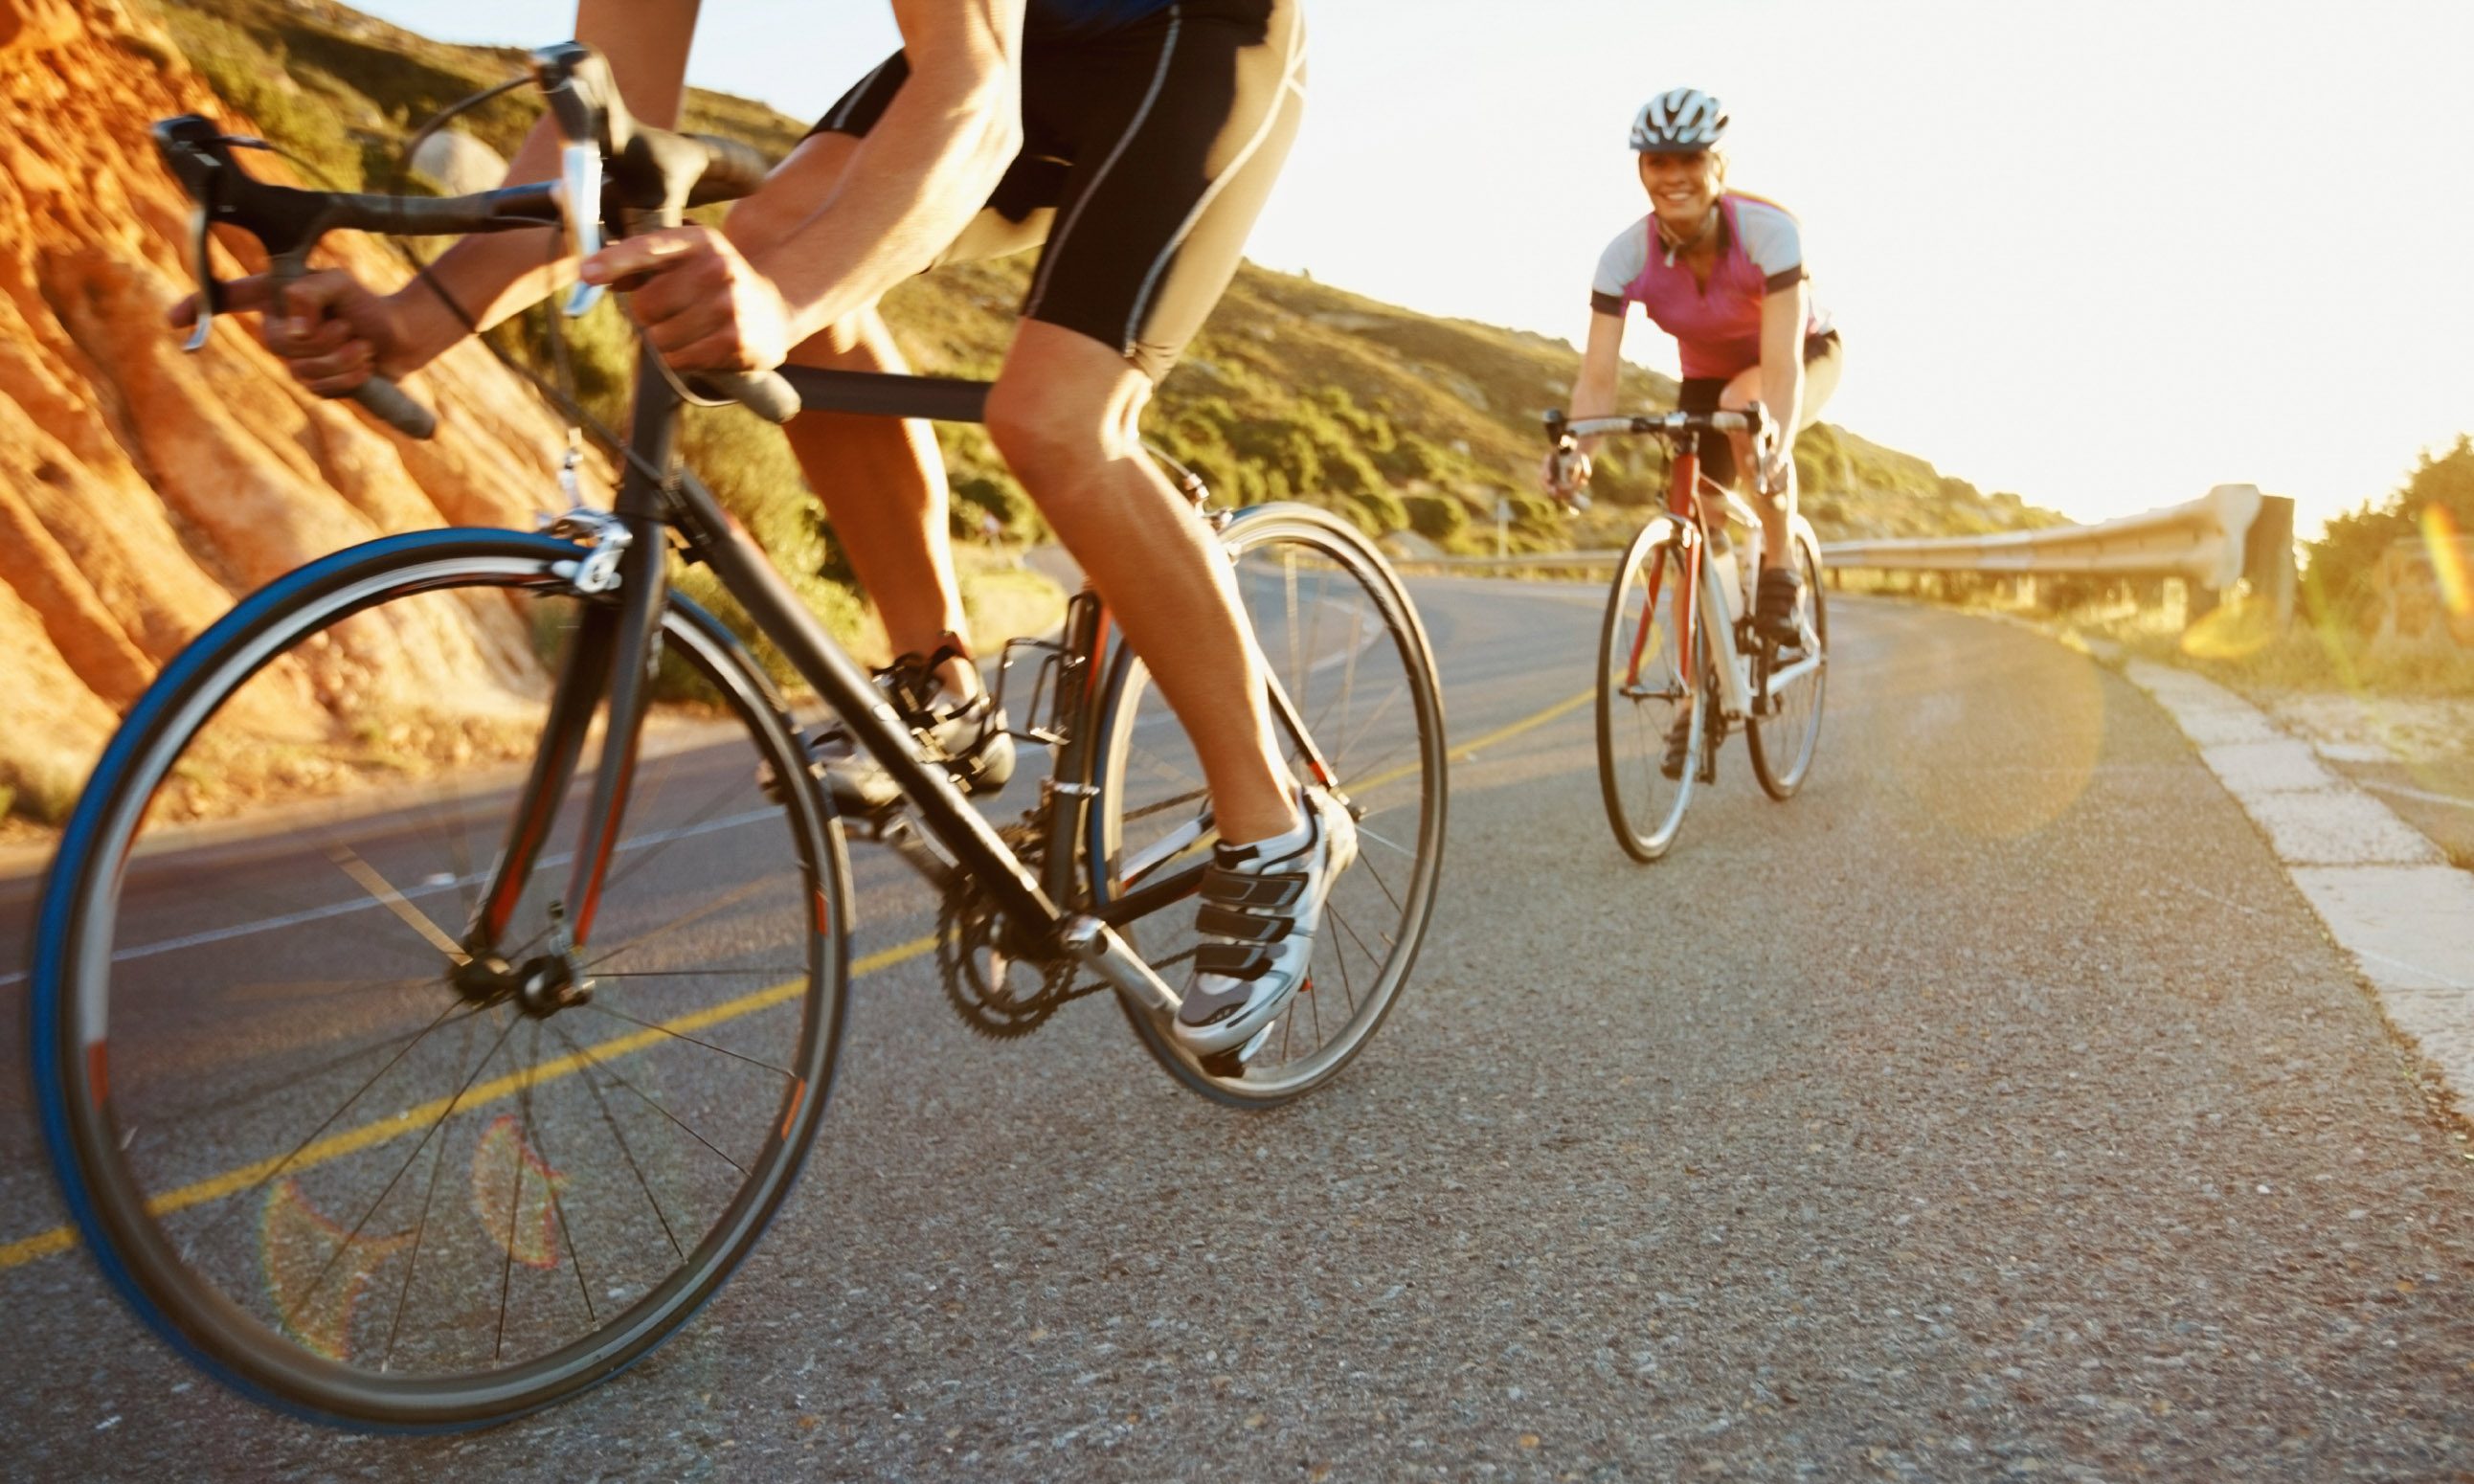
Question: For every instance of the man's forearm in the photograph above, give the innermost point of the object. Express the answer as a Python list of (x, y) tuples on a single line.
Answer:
[(921, 173)]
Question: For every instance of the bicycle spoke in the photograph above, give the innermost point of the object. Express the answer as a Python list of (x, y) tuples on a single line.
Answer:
[(690, 1040), (420, 1230), (249, 1196), (292, 1080), (754, 970), (650, 1101), (557, 1206), (1346, 991), (722, 903), (354, 1235), (1369, 862), (626, 1152), (349, 860), (515, 1208)]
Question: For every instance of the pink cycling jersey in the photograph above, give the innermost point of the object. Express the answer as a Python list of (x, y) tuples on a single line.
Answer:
[(1716, 325)]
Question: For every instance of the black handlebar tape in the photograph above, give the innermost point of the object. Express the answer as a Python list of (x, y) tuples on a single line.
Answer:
[(731, 170), (761, 392), (533, 204), (387, 402)]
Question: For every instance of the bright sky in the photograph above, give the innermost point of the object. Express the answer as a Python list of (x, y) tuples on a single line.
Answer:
[(2102, 253)]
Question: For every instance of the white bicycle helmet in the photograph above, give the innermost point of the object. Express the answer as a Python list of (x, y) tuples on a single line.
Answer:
[(1680, 121)]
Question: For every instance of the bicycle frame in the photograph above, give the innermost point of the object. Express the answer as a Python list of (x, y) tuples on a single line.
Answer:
[(1739, 692), (610, 666)]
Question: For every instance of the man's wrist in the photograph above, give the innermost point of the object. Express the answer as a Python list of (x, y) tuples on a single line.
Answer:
[(429, 321)]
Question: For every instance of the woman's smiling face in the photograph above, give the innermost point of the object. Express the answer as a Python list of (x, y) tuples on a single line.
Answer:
[(1683, 187)]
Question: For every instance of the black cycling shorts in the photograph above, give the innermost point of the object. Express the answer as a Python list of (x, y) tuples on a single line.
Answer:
[(1699, 394), (1148, 151)]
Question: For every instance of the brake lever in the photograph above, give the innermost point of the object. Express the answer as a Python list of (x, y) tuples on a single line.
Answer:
[(579, 205)]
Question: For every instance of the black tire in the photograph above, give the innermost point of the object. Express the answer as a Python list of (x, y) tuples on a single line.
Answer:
[(290, 1066), (1340, 634), (1644, 692), (1786, 728)]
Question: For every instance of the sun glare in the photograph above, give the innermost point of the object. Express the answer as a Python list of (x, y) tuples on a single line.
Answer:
[(2449, 559)]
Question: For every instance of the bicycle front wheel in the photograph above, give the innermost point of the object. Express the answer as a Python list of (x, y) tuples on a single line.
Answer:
[(1646, 693), (346, 1168), (1343, 643), (1785, 727)]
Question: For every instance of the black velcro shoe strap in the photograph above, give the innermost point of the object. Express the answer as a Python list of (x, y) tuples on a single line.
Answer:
[(1227, 922), (1232, 961), (1232, 889)]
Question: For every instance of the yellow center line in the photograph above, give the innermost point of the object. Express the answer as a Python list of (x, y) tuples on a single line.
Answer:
[(1468, 750), (336, 1145)]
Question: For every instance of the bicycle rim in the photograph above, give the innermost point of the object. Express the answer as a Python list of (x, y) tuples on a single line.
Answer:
[(1339, 636), (326, 1174), (1785, 736), (1644, 692)]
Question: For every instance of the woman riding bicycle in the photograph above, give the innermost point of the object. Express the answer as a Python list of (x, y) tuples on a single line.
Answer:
[(1722, 272)]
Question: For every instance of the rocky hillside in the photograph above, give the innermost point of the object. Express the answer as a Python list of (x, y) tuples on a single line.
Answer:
[(141, 489)]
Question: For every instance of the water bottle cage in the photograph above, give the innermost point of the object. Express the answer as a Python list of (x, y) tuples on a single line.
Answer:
[(1048, 692)]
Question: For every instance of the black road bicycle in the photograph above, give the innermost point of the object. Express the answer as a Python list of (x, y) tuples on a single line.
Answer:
[(418, 1096)]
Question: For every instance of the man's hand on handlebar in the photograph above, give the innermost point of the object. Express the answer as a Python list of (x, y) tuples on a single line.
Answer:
[(1566, 475), (331, 333), (700, 303)]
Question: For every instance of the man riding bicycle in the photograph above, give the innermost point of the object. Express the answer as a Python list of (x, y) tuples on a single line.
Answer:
[(1137, 140), (1722, 272)]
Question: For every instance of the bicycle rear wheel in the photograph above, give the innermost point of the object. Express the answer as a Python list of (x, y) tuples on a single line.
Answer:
[(345, 1171), (1343, 641), (1785, 727), (1645, 691)]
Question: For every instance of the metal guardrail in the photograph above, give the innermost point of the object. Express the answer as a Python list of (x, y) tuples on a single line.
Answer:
[(2228, 535), (2203, 543), (2231, 534)]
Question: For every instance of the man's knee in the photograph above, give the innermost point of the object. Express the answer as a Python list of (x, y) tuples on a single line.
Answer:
[(1047, 431)]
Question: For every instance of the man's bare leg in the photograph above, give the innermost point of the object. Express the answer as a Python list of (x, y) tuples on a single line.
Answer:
[(882, 479), (1063, 414)]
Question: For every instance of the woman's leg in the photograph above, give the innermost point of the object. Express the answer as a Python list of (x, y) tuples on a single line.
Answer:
[(1820, 381)]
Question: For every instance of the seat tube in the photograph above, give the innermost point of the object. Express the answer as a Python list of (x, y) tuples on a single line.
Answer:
[(1080, 677), (1684, 503)]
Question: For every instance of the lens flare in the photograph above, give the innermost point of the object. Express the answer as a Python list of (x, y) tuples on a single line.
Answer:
[(2449, 560)]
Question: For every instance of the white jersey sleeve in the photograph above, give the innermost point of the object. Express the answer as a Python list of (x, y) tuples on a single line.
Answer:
[(1771, 240), (1619, 266)]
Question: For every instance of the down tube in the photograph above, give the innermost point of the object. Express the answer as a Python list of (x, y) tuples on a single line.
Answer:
[(744, 570)]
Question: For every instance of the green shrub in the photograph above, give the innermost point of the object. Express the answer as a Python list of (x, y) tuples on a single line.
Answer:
[(2342, 568), (1439, 518)]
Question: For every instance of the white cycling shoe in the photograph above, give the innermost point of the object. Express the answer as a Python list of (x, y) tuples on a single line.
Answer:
[(1262, 904)]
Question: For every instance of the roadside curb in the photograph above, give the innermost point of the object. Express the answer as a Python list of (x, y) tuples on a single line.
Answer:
[(2383, 889)]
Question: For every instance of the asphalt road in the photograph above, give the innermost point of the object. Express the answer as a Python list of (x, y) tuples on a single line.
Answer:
[(1995, 1108)]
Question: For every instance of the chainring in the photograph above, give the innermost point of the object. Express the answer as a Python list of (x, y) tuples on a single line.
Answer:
[(996, 994)]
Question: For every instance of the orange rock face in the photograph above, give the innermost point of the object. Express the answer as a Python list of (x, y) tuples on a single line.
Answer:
[(142, 491)]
